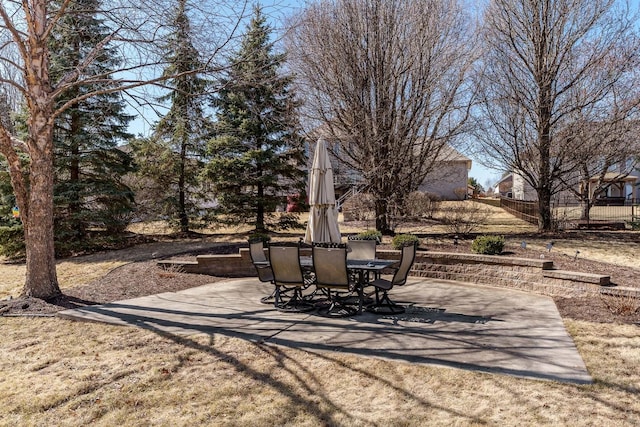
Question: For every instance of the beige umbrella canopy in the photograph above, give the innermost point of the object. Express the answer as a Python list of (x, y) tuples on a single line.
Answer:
[(323, 216)]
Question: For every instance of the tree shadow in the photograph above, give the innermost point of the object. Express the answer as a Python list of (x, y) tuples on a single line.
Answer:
[(70, 302)]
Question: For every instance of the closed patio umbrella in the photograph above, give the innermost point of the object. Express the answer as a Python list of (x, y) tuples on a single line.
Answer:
[(323, 216)]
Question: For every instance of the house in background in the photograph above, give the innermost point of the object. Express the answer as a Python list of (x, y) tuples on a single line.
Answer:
[(450, 176), (514, 186), (619, 188), (522, 190), (504, 187), (611, 188), (448, 180)]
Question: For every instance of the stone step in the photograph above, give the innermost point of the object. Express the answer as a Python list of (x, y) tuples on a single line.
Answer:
[(598, 279)]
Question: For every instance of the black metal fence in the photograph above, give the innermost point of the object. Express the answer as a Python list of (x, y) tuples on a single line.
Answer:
[(615, 214)]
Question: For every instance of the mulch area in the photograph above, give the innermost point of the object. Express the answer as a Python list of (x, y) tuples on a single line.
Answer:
[(146, 278)]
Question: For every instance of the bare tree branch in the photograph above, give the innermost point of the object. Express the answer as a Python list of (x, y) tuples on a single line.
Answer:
[(550, 69), (388, 81)]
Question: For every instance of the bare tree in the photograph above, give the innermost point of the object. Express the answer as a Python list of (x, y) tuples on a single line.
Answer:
[(387, 79), (551, 70), (26, 27), (604, 157)]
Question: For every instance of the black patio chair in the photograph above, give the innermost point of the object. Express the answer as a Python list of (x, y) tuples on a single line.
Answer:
[(383, 304), (288, 274), (362, 250), (262, 266), (332, 277)]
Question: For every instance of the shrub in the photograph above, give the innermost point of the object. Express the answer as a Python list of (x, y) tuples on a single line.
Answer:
[(288, 221), (401, 240), (259, 237), (461, 193), (421, 205), (359, 207), (463, 217), (367, 235), (488, 245), (635, 225), (12, 241), (624, 305)]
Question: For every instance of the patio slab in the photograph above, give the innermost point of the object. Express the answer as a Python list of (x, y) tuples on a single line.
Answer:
[(452, 324)]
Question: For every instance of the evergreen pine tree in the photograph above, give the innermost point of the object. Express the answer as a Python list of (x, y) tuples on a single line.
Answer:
[(257, 154), (89, 165), (172, 157), (7, 198)]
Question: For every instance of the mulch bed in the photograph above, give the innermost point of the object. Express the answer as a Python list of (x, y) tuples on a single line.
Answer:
[(146, 278)]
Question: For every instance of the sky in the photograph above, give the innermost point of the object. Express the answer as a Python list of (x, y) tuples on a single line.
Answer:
[(278, 10)]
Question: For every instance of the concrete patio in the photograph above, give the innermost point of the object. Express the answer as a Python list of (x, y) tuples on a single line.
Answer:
[(447, 323)]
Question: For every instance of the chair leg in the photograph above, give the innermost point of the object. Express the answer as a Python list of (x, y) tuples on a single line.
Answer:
[(269, 299), (277, 299), (336, 307), (384, 305), (281, 291), (296, 304)]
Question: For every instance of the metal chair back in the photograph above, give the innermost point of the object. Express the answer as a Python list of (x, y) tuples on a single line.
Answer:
[(256, 250), (406, 261), (285, 264), (330, 266), (361, 249)]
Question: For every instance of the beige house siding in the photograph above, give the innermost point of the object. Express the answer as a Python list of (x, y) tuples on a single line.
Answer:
[(522, 190), (448, 180)]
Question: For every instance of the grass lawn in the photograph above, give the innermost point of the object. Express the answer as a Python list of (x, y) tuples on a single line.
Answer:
[(59, 372)]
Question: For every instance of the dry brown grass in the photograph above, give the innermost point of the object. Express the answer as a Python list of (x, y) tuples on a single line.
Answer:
[(76, 374), (57, 372), (622, 304), (497, 220), (77, 271), (610, 251)]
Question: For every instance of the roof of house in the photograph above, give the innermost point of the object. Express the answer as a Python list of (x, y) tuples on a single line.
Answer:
[(450, 154), (506, 178), (614, 177)]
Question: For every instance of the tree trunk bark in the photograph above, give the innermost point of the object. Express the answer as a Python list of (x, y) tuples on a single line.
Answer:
[(382, 217), (182, 184), (75, 205), (545, 220), (41, 279), (260, 205)]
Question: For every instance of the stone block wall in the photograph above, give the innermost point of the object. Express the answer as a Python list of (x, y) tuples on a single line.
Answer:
[(519, 273)]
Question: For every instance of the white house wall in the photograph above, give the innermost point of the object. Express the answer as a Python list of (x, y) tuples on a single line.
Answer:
[(522, 190), (449, 179)]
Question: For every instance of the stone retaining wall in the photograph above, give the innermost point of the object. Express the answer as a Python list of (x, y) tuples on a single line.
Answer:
[(520, 273)]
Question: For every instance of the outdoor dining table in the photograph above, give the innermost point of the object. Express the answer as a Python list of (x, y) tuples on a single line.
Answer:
[(359, 266), (363, 268)]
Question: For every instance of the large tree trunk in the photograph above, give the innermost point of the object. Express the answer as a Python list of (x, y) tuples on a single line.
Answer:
[(75, 205), (260, 225), (182, 199), (41, 279), (545, 218), (382, 216)]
